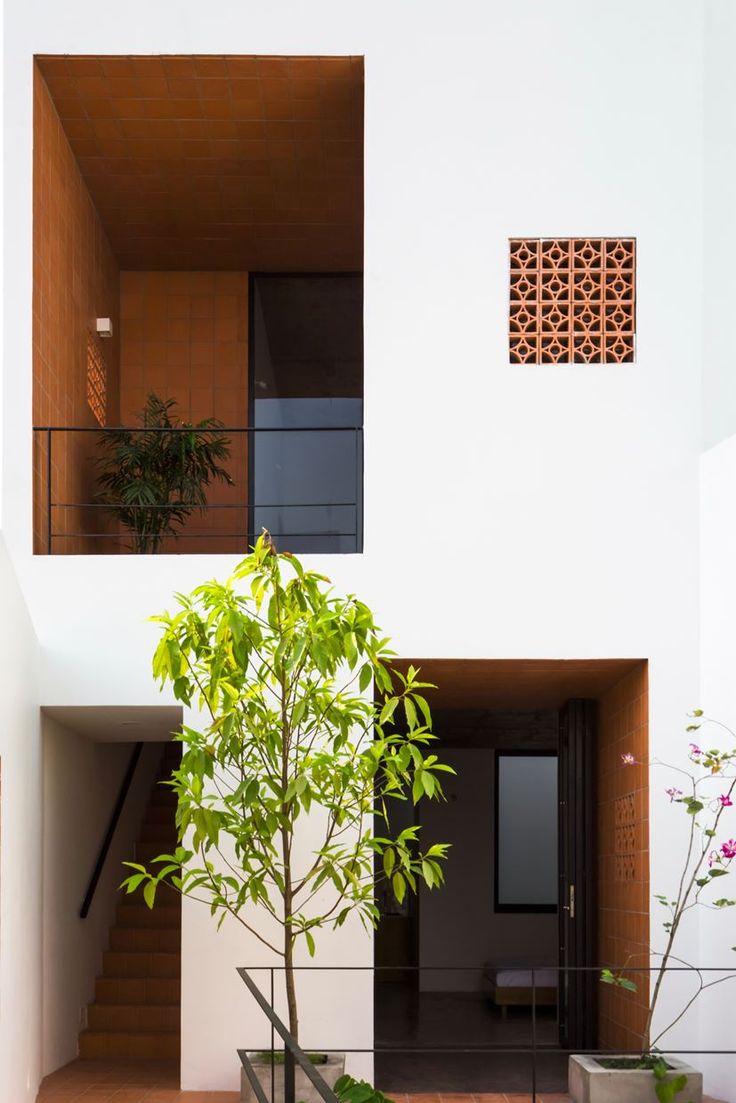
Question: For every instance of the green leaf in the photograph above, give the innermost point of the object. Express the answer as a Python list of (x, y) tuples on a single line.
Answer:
[(149, 893), (366, 677)]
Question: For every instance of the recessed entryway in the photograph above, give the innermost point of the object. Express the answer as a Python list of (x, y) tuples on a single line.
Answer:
[(548, 734)]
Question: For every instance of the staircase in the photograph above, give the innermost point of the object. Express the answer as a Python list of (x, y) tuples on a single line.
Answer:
[(136, 1010)]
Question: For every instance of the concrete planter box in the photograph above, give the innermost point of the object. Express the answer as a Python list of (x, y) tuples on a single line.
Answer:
[(305, 1090), (589, 1082)]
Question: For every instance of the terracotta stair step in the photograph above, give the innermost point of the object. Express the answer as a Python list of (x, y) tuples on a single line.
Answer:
[(132, 910), (131, 1018), (147, 850), (138, 915), (159, 813), (163, 797), (117, 963), (145, 940), (163, 830), (138, 990), (106, 1045)]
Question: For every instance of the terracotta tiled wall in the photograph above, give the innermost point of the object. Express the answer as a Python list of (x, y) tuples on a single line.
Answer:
[(623, 854), (185, 336), (75, 280)]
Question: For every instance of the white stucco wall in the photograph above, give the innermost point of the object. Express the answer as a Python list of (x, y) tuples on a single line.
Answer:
[(20, 848), (718, 699), (509, 511), (719, 225)]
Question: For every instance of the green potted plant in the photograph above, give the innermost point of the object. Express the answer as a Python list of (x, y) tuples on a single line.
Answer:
[(153, 478), (706, 799), (303, 717)]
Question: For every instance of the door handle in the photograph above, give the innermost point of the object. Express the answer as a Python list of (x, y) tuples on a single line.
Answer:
[(571, 906)]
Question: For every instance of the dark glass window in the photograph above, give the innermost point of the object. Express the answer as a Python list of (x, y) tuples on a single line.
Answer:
[(307, 393), (526, 832)]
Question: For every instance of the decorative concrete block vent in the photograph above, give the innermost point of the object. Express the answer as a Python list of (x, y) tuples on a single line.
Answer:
[(572, 300)]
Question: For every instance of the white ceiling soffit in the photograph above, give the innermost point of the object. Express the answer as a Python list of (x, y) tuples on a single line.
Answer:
[(118, 724)]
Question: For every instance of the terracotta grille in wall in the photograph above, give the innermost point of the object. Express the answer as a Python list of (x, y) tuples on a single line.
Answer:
[(96, 379), (572, 300), (623, 854)]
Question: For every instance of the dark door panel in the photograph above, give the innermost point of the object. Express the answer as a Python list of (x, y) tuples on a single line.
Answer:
[(578, 989)]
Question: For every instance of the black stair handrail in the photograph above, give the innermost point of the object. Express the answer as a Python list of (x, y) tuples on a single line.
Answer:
[(293, 1054), (114, 817)]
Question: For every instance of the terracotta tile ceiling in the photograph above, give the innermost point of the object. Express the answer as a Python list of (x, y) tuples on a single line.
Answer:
[(251, 163)]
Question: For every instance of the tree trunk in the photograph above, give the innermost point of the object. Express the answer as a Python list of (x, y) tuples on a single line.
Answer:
[(290, 982)]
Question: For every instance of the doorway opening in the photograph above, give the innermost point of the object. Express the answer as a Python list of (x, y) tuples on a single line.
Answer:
[(543, 877), (111, 965)]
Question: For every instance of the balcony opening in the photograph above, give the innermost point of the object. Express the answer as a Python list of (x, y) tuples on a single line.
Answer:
[(211, 208)]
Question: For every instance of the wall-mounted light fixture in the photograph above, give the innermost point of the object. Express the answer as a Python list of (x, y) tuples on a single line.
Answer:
[(104, 327)]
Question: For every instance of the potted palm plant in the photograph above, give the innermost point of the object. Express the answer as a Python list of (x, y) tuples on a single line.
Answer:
[(706, 799), (153, 478), (302, 717)]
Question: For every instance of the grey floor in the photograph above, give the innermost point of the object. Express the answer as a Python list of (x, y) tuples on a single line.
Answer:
[(405, 1018)]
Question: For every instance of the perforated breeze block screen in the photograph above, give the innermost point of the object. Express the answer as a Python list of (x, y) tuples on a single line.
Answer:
[(572, 300)]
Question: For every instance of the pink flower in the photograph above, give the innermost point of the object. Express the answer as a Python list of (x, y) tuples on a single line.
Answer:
[(726, 801), (728, 850), (713, 858), (673, 793), (695, 750), (628, 759)]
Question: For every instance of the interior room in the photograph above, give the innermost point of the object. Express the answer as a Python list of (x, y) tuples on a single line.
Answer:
[(471, 976), (198, 237)]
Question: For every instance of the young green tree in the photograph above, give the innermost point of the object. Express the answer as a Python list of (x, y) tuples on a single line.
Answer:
[(283, 675)]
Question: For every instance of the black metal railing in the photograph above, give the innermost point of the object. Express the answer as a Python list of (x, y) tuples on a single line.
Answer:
[(293, 1053), (122, 796), (304, 484), (536, 1056)]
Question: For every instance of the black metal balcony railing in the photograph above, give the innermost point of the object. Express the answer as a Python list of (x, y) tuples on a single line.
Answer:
[(303, 484), (535, 1059)]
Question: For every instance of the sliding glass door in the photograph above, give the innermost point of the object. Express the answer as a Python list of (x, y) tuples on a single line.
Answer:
[(306, 369)]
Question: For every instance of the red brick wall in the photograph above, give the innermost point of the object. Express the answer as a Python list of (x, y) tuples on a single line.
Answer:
[(185, 336), (75, 280), (623, 854)]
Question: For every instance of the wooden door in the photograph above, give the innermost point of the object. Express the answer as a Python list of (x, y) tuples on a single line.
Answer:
[(578, 1011)]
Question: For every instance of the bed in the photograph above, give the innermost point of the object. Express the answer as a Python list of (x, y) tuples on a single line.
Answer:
[(522, 987)]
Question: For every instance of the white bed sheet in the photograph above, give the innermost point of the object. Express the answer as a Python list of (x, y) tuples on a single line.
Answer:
[(522, 978)]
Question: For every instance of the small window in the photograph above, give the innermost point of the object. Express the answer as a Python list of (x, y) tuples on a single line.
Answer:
[(572, 300), (526, 859), (96, 379)]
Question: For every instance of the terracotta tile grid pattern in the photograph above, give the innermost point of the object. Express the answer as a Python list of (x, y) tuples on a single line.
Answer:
[(184, 335), (150, 1082), (623, 855), (96, 378), (219, 161), (157, 1082), (572, 300), (68, 237)]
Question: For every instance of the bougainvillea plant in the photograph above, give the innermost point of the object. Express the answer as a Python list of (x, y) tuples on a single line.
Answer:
[(706, 792)]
